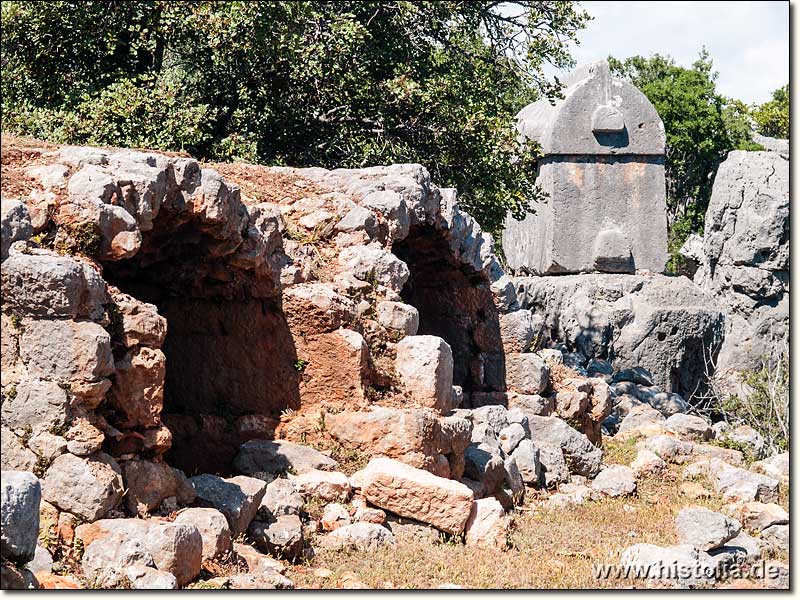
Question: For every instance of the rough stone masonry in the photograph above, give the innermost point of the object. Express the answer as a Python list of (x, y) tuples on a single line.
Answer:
[(603, 170)]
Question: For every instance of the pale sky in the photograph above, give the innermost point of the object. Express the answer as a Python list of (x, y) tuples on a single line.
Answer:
[(748, 41)]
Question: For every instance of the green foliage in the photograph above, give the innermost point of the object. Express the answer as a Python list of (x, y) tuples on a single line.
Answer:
[(701, 127), (765, 405), (333, 84), (772, 118), (300, 365), (739, 124), (83, 238)]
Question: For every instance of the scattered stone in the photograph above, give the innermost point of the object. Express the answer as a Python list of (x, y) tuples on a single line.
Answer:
[(526, 373), (640, 416), (13, 454), (409, 530), (694, 490), (280, 498), (757, 516), (514, 480), (376, 264), (668, 404), (487, 526), (88, 487), (553, 464), (776, 467), (15, 578), (425, 366), (358, 218), (42, 561), (173, 547), (581, 455), (689, 426), (21, 495), (647, 463), (615, 481), (637, 375), (334, 516), (741, 549), (776, 537), (737, 483), (367, 514), (15, 224), (278, 457), (367, 537), (683, 565), (484, 464), (518, 330), (509, 437), (213, 528), (398, 316), (526, 458), (666, 447), (409, 492), (282, 538), (148, 483), (704, 528), (146, 578), (329, 486), (238, 498), (257, 562)]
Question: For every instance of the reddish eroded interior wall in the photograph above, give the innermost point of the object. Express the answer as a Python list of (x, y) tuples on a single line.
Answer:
[(455, 304)]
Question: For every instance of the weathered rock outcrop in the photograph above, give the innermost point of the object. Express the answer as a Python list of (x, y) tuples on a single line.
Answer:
[(665, 324), (746, 256)]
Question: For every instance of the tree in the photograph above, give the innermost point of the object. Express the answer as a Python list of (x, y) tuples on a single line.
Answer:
[(772, 118), (701, 127), (332, 84)]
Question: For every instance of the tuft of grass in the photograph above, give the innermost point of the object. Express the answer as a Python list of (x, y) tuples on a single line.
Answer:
[(621, 452), (83, 238)]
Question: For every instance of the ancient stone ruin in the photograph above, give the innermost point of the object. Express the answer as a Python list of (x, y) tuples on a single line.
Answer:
[(603, 170), (195, 355)]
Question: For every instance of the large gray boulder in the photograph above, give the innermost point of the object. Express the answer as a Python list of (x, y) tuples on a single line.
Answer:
[(15, 224), (238, 498), (275, 457), (603, 169), (583, 458), (85, 486), (682, 566), (705, 529), (667, 325), (19, 515), (42, 283), (746, 255)]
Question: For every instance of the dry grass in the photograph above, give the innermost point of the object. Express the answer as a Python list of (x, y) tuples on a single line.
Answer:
[(549, 549)]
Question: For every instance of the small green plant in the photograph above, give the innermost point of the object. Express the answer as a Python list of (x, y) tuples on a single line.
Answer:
[(61, 430), (41, 466), (83, 238), (300, 365), (16, 322), (27, 433), (115, 326), (620, 452), (11, 393), (77, 548), (764, 405)]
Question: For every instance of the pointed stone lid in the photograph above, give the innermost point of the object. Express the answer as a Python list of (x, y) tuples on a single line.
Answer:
[(598, 115)]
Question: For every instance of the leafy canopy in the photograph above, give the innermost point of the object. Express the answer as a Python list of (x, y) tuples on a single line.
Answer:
[(772, 118), (333, 84)]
